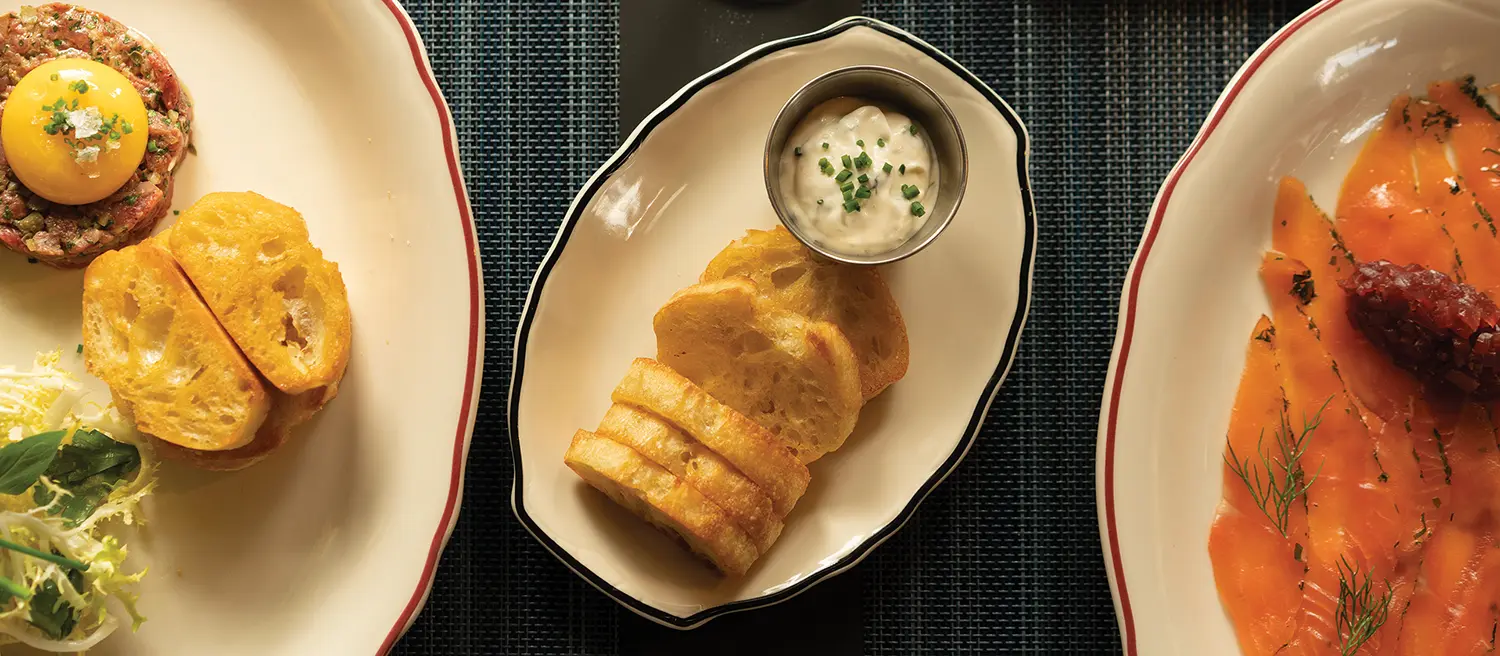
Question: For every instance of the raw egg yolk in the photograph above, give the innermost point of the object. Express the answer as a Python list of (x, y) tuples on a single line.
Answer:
[(74, 131)]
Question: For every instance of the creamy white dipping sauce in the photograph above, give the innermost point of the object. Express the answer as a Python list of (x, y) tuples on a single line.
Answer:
[(881, 211)]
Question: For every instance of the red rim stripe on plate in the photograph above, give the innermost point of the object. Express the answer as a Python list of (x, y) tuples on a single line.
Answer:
[(1127, 625), (455, 480)]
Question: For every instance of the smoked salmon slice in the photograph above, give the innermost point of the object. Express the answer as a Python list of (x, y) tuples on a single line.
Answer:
[(1379, 211), (1257, 566)]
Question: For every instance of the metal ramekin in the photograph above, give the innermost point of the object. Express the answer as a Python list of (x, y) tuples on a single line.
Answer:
[(901, 92)]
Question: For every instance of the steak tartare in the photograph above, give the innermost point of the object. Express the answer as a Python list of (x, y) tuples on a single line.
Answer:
[(70, 236)]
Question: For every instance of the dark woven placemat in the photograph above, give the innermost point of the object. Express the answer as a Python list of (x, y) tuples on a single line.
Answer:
[(1004, 557)]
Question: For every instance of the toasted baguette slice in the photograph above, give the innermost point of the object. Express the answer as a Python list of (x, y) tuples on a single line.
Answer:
[(283, 303), (287, 412), (854, 298), (746, 445), (168, 362), (797, 377), (698, 466), (662, 499)]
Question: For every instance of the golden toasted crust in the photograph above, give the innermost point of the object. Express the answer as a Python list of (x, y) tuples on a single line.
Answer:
[(283, 302), (854, 298), (287, 412), (746, 445), (697, 465), (654, 494), (168, 363), (797, 377)]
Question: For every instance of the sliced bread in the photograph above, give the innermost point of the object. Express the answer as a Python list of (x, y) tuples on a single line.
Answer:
[(750, 448), (167, 361), (287, 413), (698, 466), (797, 377), (654, 494), (281, 300), (854, 298)]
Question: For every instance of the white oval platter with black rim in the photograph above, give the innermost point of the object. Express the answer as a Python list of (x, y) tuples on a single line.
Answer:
[(686, 183)]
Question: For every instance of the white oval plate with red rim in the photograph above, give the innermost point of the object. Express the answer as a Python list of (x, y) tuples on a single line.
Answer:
[(327, 547), (1300, 106), (685, 184)]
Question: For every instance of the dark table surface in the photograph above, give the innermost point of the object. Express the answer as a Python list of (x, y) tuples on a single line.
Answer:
[(1004, 557)]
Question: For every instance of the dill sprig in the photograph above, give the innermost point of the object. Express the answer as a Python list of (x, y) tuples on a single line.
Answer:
[(1278, 480), (1360, 612)]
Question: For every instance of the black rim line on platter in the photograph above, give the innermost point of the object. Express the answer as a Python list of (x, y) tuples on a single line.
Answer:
[(976, 421)]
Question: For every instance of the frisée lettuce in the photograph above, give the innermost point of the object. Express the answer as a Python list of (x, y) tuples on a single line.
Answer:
[(65, 474)]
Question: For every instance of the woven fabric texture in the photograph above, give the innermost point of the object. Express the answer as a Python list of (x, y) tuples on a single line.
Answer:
[(1004, 557)]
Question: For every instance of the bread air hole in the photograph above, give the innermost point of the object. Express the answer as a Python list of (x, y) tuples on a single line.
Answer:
[(272, 249), (783, 278), (749, 342), (153, 328), (301, 304)]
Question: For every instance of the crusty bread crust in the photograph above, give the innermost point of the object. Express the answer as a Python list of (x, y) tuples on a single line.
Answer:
[(749, 447), (696, 465), (797, 377), (168, 362), (854, 298), (654, 494), (281, 300)]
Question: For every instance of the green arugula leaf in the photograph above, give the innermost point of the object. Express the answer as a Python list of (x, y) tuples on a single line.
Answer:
[(50, 613), (91, 466), (23, 462)]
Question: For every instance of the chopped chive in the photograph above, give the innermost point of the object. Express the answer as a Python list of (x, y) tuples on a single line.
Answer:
[(54, 77), (863, 161), (825, 145), (848, 162), (917, 209), (843, 175), (909, 191), (903, 169), (847, 186), (886, 168), (825, 167), (42, 555), (880, 143), (80, 348), (10, 588), (863, 179), (848, 195), (797, 151), (860, 143), (862, 192), (851, 206), (912, 129)]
